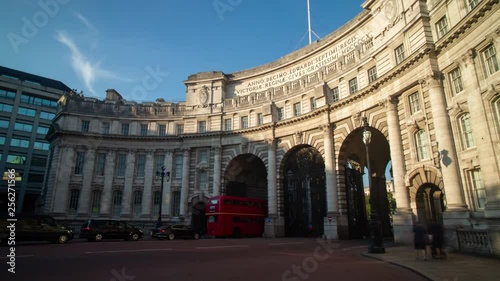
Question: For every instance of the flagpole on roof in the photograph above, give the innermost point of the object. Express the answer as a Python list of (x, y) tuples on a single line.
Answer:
[(309, 21)]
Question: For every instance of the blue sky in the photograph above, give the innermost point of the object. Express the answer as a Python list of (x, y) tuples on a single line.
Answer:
[(146, 49)]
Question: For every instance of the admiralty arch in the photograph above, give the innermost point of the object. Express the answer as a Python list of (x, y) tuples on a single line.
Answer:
[(423, 77)]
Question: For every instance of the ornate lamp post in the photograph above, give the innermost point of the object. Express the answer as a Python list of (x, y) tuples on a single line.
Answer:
[(375, 226), (161, 174)]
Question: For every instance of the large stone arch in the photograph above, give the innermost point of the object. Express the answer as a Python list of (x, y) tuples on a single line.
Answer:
[(246, 175)]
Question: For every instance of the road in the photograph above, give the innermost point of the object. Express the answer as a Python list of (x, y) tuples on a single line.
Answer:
[(280, 259)]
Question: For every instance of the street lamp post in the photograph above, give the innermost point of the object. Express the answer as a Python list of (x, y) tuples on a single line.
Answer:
[(375, 226), (162, 174)]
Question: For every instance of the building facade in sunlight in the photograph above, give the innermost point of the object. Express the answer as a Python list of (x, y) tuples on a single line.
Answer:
[(421, 76)]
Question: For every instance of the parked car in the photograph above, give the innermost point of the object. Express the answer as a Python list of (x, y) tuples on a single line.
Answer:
[(35, 228), (98, 229), (172, 232)]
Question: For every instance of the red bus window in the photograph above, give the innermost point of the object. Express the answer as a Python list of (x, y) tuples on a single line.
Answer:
[(212, 219)]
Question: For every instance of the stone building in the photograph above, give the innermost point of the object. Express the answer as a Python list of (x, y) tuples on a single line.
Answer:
[(422, 76)]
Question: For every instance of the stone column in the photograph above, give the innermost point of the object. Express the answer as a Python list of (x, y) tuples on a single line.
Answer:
[(109, 173), (457, 212), (88, 175), (65, 171), (403, 219), (482, 135), (129, 181), (148, 184), (166, 208), (332, 199), (185, 184), (217, 170), (274, 224)]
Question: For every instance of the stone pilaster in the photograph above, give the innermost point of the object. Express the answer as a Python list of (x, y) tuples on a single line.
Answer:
[(88, 175), (185, 184), (109, 172), (129, 181), (403, 219), (217, 170), (166, 209), (148, 184), (332, 199), (65, 171), (273, 222)]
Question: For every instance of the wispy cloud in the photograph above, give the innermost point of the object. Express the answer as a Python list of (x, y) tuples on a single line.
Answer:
[(85, 22)]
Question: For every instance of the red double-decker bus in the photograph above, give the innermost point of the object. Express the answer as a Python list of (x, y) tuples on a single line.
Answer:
[(235, 216)]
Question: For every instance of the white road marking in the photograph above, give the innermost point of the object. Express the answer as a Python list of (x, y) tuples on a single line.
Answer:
[(129, 251), (222, 247), (24, 256), (289, 243)]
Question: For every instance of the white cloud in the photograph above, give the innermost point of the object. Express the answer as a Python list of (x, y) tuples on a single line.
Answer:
[(85, 22)]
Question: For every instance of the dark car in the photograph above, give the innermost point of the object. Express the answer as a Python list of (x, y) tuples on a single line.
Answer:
[(35, 228), (172, 232), (98, 229)]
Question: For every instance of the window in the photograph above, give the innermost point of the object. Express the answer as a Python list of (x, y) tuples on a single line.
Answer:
[(244, 122), (156, 202), (137, 206), (7, 94), (38, 101), (441, 27), (178, 166), (478, 188), (400, 54), (297, 109), (23, 127), (421, 145), (80, 160), (37, 178), (20, 143), (312, 102), (95, 202), (16, 159), (176, 203), (281, 113), (73, 201), (335, 94), (466, 131), (496, 107), (353, 86), (144, 129), (5, 107), (162, 130), (372, 74), (105, 128), (179, 129), (203, 179), (490, 60), (42, 130), (41, 146), (38, 161), (2, 142), (4, 124), (125, 128), (203, 156), (85, 126), (227, 124), (202, 126), (116, 203), (122, 164), (26, 111), (260, 119), (414, 100), (47, 115), (101, 163), (160, 161), (141, 165), (471, 4), (456, 81)]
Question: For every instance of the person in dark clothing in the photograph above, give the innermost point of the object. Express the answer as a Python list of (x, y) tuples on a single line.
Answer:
[(437, 245), (420, 239)]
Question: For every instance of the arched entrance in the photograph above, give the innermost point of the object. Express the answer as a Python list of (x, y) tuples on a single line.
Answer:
[(430, 204), (246, 176), (305, 192)]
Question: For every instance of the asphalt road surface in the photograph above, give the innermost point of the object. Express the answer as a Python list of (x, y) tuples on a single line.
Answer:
[(280, 259)]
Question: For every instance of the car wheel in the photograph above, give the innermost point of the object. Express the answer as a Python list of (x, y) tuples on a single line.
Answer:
[(196, 236), (134, 237), (98, 237), (171, 236), (63, 238)]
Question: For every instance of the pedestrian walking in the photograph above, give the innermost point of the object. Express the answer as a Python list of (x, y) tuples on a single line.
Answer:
[(437, 245), (420, 238)]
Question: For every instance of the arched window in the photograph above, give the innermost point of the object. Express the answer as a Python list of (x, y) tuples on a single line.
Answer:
[(117, 203), (466, 131), (421, 145)]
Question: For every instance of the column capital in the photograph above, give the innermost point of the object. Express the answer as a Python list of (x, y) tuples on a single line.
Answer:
[(216, 148), (389, 102), (150, 152), (325, 128), (432, 79), (186, 151), (271, 142), (468, 57)]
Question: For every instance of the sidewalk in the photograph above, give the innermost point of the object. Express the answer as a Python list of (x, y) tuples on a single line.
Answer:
[(457, 267)]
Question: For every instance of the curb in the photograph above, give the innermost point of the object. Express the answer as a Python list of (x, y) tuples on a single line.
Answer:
[(400, 265)]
